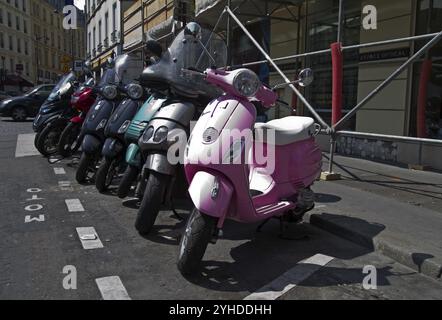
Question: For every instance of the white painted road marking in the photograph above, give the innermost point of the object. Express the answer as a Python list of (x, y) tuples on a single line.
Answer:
[(65, 185), (89, 238), (74, 205), (59, 171), (291, 278), (41, 218), (111, 288), (25, 146)]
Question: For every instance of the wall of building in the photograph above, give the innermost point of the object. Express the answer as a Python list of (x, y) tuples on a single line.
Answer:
[(388, 113), (15, 37)]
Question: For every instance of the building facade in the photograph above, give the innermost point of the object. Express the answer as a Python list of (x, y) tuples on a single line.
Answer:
[(55, 48), (104, 26), (155, 19), (16, 44)]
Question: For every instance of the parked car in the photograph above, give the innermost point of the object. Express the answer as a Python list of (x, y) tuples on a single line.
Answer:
[(4, 95), (27, 105)]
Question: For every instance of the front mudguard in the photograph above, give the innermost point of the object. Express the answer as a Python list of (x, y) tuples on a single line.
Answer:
[(158, 162), (91, 145), (211, 194), (112, 148), (133, 155)]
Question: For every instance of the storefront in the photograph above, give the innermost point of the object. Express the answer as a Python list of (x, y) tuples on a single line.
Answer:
[(291, 27)]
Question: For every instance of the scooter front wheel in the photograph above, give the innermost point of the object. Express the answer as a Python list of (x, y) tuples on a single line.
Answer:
[(197, 235), (84, 167), (130, 175), (150, 205), (105, 174)]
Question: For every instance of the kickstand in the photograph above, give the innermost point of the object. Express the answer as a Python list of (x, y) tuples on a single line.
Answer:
[(262, 225), (177, 215)]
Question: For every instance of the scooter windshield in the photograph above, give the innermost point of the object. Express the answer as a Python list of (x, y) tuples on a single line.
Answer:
[(62, 86), (128, 67), (108, 77), (187, 52)]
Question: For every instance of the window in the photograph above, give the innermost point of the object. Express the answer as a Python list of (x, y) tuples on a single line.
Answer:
[(9, 20), (11, 62), (114, 17), (18, 45), (90, 42), (2, 40), (1, 15), (11, 46), (25, 26), (24, 5), (17, 22), (26, 48), (27, 67), (106, 25)]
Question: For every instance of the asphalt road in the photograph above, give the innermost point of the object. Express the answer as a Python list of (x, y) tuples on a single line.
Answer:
[(39, 239)]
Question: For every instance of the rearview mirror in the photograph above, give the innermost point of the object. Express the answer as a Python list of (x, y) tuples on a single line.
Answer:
[(194, 30), (305, 77)]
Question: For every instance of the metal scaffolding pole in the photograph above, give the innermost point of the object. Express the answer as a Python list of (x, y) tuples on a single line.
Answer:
[(387, 81), (269, 59)]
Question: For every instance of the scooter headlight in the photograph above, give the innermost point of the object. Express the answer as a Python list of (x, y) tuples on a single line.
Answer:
[(135, 91), (102, 124), (109, 92), (246, 83), (161, 134), (148, 134), (124, 127)]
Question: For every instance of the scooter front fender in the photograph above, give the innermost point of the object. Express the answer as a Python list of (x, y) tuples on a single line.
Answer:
[(133, 156), (211, 194), (77, 120)]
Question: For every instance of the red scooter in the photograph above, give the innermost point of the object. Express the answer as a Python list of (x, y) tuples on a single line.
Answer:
[(82, 100)]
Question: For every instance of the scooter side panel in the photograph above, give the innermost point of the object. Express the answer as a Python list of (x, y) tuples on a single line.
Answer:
[(91, 144), (111, 148)]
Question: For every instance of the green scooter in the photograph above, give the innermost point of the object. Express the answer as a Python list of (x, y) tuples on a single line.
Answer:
[(132, 135)]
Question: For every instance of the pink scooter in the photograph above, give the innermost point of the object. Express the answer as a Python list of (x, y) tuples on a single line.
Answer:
[(233, 184)]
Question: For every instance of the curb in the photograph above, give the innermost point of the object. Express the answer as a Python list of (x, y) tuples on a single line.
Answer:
[(425, 264)]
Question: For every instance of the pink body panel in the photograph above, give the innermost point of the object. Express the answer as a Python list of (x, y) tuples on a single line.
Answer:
[(297, 164)]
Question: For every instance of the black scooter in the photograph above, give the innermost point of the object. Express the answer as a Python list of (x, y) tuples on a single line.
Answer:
[(54, 115), (114, 148), (108, 97)]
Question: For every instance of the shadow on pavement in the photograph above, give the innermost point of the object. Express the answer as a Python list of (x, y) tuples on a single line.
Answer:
[(266, 257)]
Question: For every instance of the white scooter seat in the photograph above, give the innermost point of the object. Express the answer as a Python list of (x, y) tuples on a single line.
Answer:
[(287, 130)]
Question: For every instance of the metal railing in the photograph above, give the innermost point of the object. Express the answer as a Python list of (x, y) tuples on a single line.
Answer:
[(332, 130)]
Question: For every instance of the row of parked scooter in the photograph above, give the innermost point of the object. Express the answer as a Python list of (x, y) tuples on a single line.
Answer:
[(132, 122)]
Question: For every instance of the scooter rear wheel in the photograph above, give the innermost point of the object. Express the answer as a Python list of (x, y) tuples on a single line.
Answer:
[(151, 203), (68, 143), (48, 138), (197, 235)]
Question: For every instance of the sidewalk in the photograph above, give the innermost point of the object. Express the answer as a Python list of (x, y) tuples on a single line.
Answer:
[(392, 210)]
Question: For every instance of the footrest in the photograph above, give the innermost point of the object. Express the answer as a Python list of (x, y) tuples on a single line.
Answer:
[(276, 208)]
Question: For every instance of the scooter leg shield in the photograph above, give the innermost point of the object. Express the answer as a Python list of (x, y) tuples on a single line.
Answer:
[(91, 144), (211, 194), (133, 156), (111, 148)]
